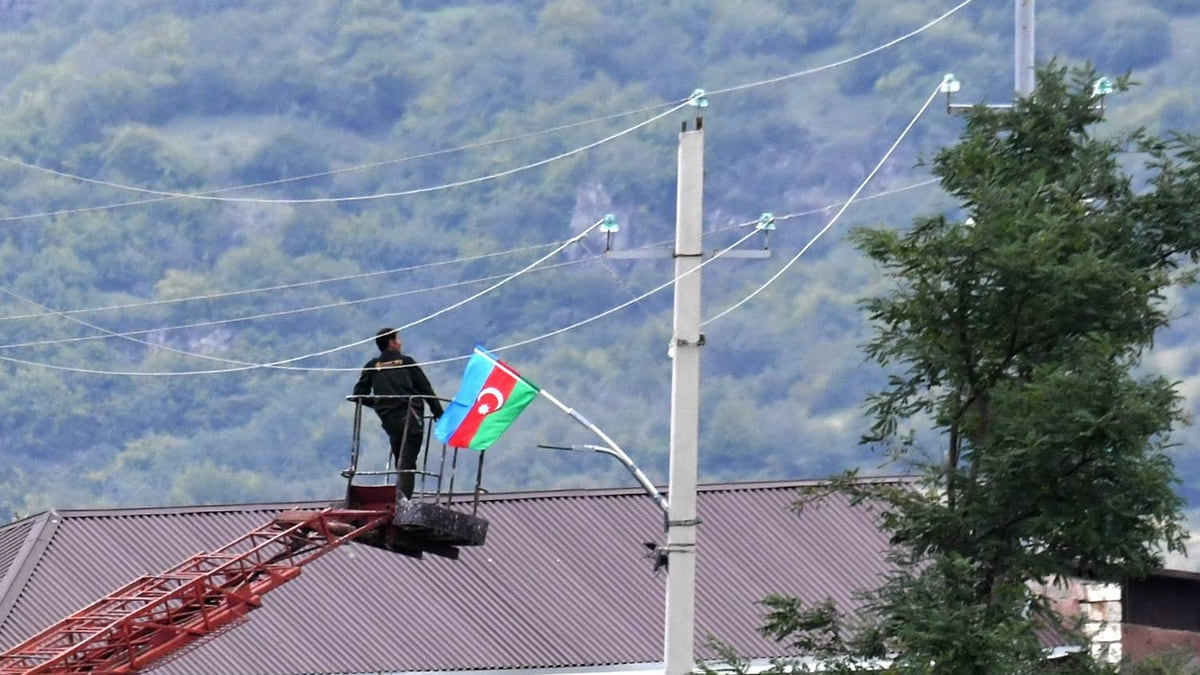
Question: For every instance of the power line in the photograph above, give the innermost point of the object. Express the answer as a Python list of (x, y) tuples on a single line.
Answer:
[(603, 264), (837, 215), (284, 364), (847, 60), (253, 317), (877, 195), (366, 275), (635, 299), (108, 333), (211, 194), (52, 313), (821, 209), (292, 179), (277, 287), (367, 197), (760, 83), (639, 298), (577, 324)]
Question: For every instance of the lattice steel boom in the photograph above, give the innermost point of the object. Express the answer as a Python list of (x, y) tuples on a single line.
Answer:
[(156, 616)]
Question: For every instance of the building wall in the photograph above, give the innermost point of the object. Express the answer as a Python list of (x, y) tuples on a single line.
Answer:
[(1096, 606), (1140, 641), (1162, 613)]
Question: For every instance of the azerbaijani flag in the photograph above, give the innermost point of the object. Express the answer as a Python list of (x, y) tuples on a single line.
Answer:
[(488, 400)]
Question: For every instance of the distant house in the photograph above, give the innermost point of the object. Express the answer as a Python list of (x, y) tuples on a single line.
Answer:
[(563, 584), (1161, 612)]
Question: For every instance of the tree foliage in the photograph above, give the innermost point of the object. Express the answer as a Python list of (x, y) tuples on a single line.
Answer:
[(1015, 336)]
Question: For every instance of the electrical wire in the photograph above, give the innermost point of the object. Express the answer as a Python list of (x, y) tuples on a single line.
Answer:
[(643, 296), (799, 214), (715, 256), (284, 364), (277, 287), (247, 366), (253, 317), (635, 299), (578, 324), (811, 212), (366, 275), (108, 333), (293, 179), (621, 282), (887, 155), (877, 195), (847, 60), (241, 366), (367, 197), (211, 194), (51, 313), (679, 105)]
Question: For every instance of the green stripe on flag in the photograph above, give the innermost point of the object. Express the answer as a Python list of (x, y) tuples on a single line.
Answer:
[(494, 425)]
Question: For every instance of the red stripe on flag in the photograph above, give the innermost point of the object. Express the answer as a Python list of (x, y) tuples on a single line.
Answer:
[(500, 380)]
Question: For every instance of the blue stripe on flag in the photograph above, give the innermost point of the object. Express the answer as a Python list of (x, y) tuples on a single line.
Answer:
[(479, 367)]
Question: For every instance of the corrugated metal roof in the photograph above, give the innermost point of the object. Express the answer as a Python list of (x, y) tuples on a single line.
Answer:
[(22, 542), (562, 582), (12, 540)]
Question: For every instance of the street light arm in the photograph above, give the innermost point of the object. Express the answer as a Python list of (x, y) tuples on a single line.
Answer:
[(623, 458), (610, 448)]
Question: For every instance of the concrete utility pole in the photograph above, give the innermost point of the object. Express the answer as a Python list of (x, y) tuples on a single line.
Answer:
[(679, 633), (686, 340), (1024, 63)]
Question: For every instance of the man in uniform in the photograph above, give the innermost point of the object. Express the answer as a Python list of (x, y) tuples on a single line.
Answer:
[(401, 389)]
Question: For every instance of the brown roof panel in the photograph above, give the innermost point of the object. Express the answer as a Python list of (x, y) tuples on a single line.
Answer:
[(12, 541), (563, 581)]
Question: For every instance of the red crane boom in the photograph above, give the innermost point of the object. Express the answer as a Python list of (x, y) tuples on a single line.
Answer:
[(157, 615)]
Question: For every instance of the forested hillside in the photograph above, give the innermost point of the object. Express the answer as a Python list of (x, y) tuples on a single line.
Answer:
[(192, 190)]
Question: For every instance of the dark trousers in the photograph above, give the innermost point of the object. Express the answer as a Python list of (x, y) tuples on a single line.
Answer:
[(406, 434)]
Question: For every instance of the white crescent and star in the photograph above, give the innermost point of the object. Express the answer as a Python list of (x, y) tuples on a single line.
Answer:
[(484, 408)]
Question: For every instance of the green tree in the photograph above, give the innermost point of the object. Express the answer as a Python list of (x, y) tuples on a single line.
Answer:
[(1017, 333)]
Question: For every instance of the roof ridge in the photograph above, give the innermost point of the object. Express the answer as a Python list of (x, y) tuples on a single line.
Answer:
[(507, 496), (724, 486), (192, 508), (25, 562)]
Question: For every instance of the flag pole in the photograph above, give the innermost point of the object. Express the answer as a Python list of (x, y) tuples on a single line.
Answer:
[(612, 449)]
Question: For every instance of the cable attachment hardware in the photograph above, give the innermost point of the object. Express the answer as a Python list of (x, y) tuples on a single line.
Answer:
[(609, 226), (681, 342), (698, 100), (1100, 88), (656, 553), (949, 85), (766, 225)]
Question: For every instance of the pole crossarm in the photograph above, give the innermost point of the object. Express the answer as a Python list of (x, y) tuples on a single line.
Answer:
[(152, 617)]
